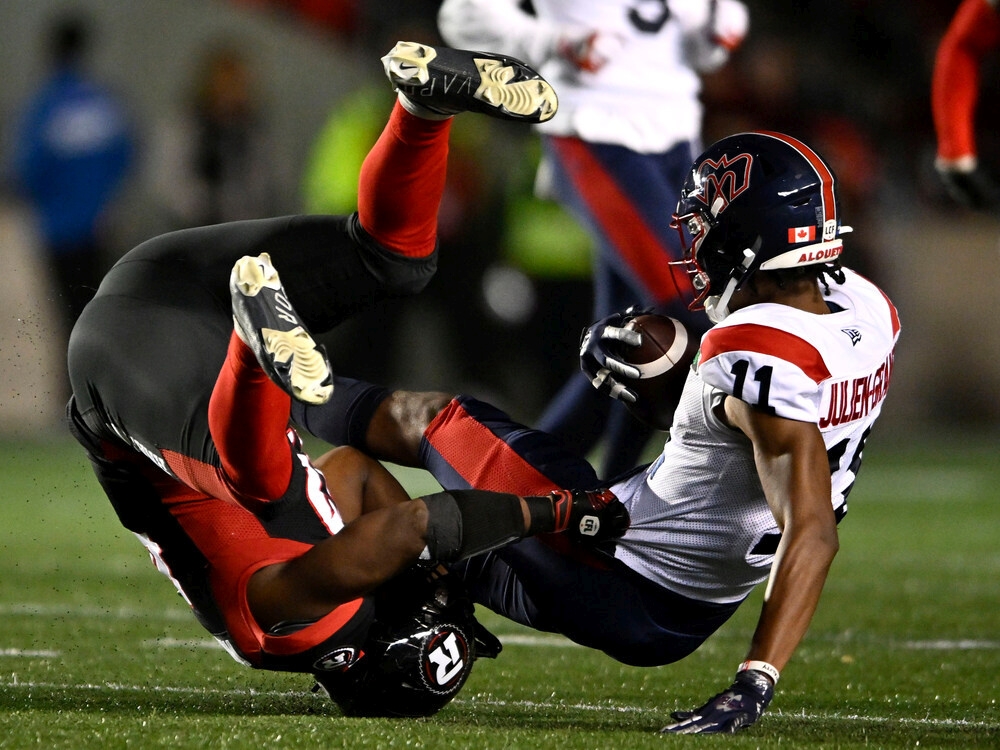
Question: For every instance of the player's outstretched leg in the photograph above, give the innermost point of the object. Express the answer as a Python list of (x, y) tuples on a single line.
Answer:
[(448, 81), (266, 322)]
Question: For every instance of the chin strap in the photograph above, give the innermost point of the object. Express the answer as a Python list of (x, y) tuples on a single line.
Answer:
[(717, 306)]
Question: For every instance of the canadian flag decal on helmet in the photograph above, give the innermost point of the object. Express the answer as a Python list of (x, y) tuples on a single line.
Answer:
[(723, 179), (801, 234)]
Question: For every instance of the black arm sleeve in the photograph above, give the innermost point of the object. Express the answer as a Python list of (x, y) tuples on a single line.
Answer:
[(344, 419)]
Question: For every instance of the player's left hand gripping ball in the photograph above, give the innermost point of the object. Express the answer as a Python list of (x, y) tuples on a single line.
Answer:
[(600, 347)]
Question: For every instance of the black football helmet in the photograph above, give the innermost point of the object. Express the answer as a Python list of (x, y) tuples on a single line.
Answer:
[(756, 200), (419, 651)]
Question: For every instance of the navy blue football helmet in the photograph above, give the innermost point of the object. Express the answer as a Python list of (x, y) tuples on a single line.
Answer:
[(757, 200)]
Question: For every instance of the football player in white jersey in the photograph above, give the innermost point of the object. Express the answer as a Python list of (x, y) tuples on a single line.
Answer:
[(764, 449), (628, 127)]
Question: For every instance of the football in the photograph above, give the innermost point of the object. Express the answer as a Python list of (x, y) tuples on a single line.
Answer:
[(663, 358)]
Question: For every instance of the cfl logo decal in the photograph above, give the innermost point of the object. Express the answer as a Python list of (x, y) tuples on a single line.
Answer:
[(445, 660), (590, 525), (723, 179)]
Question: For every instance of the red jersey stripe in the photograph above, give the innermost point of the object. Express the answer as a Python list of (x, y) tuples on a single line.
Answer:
[(481, 458), (769, 341), (312, 635), (893, 314)]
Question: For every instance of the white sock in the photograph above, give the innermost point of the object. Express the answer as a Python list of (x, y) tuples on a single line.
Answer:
[(419, 110)]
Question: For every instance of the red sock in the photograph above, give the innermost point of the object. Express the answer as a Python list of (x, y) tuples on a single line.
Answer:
[(402, 181), (248, 418)]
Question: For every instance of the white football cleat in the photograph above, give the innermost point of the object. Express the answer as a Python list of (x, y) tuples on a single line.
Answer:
[(265, 320), (447, 81)]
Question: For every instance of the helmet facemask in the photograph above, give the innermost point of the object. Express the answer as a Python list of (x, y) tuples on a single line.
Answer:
[(714, 282), (693, 227)]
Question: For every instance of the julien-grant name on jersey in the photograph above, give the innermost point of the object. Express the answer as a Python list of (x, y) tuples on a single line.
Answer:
[(855, 398)]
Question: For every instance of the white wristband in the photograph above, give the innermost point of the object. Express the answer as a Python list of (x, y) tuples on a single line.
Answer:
[(760, 666)]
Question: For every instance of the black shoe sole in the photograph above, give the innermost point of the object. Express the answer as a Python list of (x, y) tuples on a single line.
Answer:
[(448, 81)]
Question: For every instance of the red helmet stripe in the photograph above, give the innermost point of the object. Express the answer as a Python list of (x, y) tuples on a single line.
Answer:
[(818, 165)]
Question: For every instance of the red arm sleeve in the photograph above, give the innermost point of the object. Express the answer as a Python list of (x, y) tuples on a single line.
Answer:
[(973, 32)]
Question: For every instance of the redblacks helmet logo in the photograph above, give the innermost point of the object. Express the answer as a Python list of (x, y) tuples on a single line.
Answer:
[(725, 179), (445, 660)]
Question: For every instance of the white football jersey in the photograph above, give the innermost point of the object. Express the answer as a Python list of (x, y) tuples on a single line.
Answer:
[(646, 96), (700, 523)]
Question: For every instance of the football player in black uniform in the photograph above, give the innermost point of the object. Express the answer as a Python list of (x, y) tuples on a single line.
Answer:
[(184, 370)]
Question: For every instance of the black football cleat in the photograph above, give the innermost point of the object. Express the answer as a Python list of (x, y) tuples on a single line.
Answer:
[(265, 321), (448, 81), (593, 516)]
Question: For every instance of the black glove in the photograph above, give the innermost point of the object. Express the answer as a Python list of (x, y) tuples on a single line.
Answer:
[(976, 189), (589, 516), (598, 343), (731, 710)]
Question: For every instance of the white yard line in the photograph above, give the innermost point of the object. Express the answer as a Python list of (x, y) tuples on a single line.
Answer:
[(961, 645), (556, 641), (479, 701), (83, 610), (207, 643), (179, 614), (30, 653)]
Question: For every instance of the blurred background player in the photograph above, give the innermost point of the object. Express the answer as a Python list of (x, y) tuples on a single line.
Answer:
[(628, 127), (184, 367), (74, 148), (215, 159), (973, 33)]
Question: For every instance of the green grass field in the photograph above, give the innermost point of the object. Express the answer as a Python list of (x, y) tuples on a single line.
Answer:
[(96, 649)]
